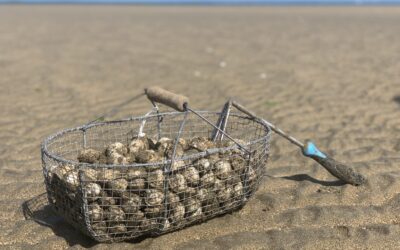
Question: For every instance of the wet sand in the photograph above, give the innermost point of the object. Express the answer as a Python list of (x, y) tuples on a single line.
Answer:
[(326, 73)]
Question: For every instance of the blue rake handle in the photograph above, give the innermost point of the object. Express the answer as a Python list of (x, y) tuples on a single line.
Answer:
[(337, 169)]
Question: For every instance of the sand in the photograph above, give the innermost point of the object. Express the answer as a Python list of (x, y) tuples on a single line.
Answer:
[(326, 73)]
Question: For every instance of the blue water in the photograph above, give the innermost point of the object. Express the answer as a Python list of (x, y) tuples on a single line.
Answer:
[(217, 2)]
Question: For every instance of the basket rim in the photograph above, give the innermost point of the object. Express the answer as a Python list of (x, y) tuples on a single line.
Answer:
[(46, 151)]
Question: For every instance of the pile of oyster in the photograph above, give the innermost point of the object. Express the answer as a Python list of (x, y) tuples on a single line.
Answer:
[(128, 200)]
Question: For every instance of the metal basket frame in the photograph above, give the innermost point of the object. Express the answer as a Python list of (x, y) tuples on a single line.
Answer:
[(86, 227)]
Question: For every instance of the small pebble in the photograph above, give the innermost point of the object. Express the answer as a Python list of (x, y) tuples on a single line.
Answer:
[(263, 76)]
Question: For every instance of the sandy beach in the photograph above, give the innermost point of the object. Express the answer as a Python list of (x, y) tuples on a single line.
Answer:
[(326, 73)]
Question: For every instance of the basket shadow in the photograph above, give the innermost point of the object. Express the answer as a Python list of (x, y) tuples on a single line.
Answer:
[(396, 99), (306, 177), (39, 210)]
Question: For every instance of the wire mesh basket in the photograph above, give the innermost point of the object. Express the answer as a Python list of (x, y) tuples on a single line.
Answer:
[(193, 179)]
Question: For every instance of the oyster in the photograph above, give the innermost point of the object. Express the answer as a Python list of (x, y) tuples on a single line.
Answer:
[(177, 183), (192, 176), (207, 180), (177, 165), (201, 143), (191, 205), (138, 144), (93, 191), (137, 184), (172, 199), (148, 224), (211, 207), (163, 144), (116, 148), (107, 174), (170, 150), (105, 200), (89, 155), (203, 165), (177, 214), (233, 179), (153, 197), (238, 163), (251, 175), (118, 186), (224, 195), (95, 212), (155, 211), (155, 179), (100, 228), (195, 216), (71, 180), (134, 219), (117, 159), (117, 229), (115, 214), (134, 173), (131, 204), (222, 169), (89, 174), (147, 156)]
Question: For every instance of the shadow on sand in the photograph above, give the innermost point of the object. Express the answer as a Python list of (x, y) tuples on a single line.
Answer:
[(306, 177), (39, 210), (397, 99)]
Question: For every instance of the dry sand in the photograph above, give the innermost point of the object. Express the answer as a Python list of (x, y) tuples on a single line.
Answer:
[(331, 74)]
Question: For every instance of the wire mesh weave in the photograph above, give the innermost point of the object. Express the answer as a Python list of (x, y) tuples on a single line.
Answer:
[(118, 202)]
